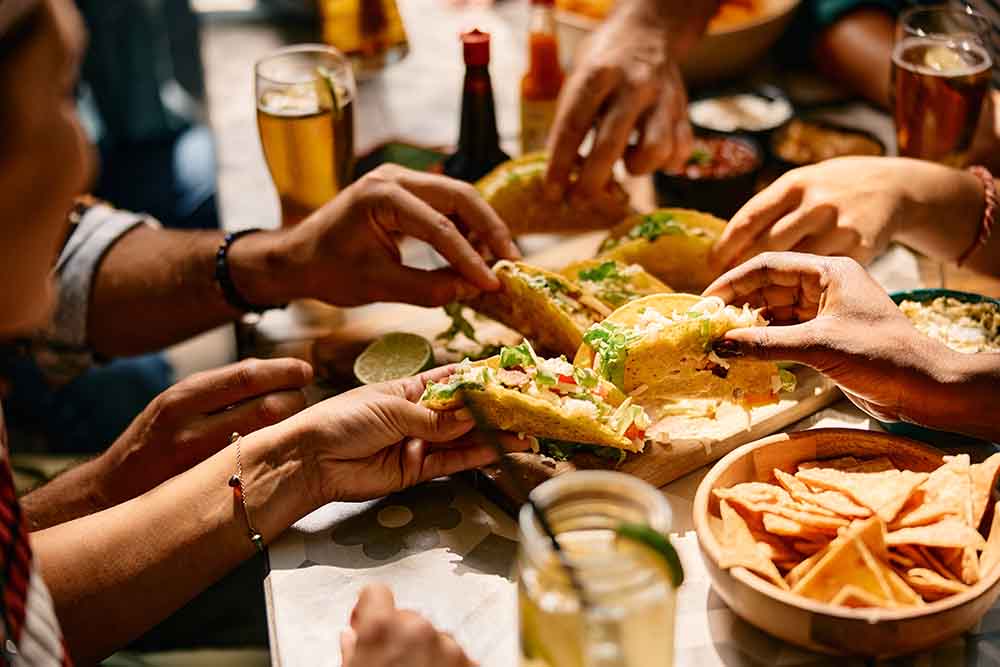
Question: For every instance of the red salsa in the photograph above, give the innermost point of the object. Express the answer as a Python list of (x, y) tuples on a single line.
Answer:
[(719, 157)]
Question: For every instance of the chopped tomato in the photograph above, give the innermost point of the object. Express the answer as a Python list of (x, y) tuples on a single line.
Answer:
[(635, 433), (567, 379)]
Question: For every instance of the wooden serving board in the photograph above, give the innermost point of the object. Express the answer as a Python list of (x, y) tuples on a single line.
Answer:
[(694, 443)]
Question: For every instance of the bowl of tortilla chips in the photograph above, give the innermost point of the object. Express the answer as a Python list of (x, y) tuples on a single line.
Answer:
[(852, 542)]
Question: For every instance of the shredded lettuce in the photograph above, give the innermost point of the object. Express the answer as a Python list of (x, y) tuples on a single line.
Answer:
[(585, 377), (444, 391), (545, 379), (519, 355), (600, 272), (788, 379), (705, 331), (610, 343), (545, 283)]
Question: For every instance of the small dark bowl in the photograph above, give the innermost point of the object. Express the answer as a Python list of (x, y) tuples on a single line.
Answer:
[(784, 165), (720, 196), (765, 91), (912, 430)]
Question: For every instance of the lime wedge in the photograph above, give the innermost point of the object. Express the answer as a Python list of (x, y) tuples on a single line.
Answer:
[(656, 545), (393, 356)]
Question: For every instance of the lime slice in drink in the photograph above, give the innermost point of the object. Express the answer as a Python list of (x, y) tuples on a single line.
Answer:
[(653, 545), (393, 356)]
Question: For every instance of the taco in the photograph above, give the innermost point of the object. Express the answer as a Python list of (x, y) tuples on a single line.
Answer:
[(661, 347), (613, 282), (520, 392), (514, 190), (673, 244), (545, 307)]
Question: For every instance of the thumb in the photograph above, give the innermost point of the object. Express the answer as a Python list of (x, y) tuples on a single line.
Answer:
[(348, 643), (418, 421), (776, 343)]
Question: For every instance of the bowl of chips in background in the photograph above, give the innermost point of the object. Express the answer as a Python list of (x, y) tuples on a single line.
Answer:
[(824, 571)]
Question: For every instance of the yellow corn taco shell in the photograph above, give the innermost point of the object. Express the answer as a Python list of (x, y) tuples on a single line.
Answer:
[(498, 407), (674, 362), (514, 190), (627, 282), (673, 244), (553, 320)]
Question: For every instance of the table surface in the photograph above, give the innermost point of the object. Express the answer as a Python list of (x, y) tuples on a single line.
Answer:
[(444, 548)]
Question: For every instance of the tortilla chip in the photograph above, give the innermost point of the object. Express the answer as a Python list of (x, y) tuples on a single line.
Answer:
[(902, 592), (796, 574), (946, 492), (991, 554), (931, 585), (833, 501), (781, 525), (761, 498), (849, 561), (740, 549), (852, 596), (809, 547), (984, 480), (935, 562), (840, 463), (946, 533), (884, 492), (899, 559)]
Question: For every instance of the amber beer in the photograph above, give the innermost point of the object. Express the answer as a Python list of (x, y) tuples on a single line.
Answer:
[(938, 88), (309, 148)]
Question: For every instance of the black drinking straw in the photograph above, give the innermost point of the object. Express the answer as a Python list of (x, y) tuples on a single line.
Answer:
[(571, 571)]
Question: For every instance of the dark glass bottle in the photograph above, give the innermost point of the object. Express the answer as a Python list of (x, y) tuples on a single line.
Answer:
[(478, 141)]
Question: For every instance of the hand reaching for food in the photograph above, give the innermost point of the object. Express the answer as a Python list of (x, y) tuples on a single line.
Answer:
[(854, 207), (828, 313)]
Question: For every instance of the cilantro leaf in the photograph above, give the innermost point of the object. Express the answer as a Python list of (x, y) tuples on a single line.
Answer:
[(459, 325), (610, 341), (655, 225), (600, 272)]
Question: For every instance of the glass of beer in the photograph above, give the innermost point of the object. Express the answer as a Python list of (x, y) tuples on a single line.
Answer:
[(369, 32), (628, 618), (940, 73), (305, 116)]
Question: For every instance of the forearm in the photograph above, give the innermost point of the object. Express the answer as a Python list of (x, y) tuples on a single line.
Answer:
[(856, 51), (116, 573), (971, 392), (156, 287), (73, 494), (943, 219)]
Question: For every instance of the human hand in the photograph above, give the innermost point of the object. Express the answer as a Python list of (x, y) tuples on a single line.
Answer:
[(346, 252), (194, 418), (627, 79), (828, 313), (852, 206), (377, 439), (383, 636)]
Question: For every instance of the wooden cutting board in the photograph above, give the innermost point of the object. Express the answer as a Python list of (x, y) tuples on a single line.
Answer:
[(694, 443)]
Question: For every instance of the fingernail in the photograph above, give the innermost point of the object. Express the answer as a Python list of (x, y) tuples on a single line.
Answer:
[(513, 252), (727, 349)]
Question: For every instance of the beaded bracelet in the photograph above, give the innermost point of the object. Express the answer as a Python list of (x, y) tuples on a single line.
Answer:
[(236, 482), (225, 280), (989, 212)]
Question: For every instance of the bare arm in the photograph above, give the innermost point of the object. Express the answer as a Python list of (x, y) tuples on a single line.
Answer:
[(856, 50)]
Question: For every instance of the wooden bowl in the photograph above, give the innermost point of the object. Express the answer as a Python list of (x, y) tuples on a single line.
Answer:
[(723, 53), (807, 623)]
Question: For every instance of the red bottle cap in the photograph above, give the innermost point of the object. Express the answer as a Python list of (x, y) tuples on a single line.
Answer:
[(476, 48)]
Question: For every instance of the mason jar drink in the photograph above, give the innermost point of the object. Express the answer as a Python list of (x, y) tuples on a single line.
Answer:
[(627, 618)]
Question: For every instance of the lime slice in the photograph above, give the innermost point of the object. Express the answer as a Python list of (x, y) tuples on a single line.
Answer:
[(654, 544), (393, 356)]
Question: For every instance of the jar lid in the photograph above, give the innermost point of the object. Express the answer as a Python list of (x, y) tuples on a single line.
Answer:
[(476, 48)]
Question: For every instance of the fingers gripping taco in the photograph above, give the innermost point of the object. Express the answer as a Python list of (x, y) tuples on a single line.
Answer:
[(661, 346), (545, 307), (613, 282), (548, 398), (514, 190), (673, 244)]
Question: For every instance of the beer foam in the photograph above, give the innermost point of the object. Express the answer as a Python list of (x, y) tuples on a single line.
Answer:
[(942, 58)]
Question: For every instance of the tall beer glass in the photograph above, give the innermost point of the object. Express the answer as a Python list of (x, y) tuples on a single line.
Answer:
[(940, 73), (305, 116)]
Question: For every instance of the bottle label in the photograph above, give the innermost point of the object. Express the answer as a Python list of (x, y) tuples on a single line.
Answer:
[(536, 120)]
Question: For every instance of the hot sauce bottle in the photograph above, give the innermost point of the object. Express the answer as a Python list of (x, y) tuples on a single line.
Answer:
[(541, 83), (478, 141)]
